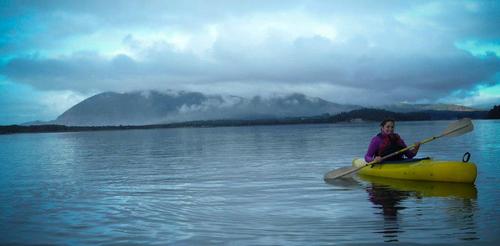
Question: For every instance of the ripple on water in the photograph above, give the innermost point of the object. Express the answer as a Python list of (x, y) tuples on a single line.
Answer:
[(236, 185)]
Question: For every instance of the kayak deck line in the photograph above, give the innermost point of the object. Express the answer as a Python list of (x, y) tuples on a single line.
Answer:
[(405, 161)]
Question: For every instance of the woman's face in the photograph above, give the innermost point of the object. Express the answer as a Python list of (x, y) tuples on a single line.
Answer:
[(388, 128)]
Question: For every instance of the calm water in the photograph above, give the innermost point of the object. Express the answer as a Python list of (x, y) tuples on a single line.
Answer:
[(239, 186)]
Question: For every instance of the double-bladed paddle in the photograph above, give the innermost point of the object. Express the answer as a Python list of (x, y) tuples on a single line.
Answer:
[(455, 129)]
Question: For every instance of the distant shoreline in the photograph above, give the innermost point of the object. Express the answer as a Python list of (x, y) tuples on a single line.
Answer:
[(355, 116)]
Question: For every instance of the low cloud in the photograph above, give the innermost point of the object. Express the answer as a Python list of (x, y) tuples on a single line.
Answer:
[(306, 62), (360, 53)]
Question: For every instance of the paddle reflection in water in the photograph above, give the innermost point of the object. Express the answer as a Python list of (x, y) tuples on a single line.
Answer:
[(457, 208)]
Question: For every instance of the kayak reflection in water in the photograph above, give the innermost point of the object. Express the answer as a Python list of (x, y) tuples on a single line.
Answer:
[(388, 142), (456, 206)]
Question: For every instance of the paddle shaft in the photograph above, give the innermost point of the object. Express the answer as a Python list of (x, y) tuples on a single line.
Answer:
[(401, 151)]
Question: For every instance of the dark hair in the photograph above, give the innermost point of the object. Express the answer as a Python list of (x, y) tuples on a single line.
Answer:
[(382, 124)]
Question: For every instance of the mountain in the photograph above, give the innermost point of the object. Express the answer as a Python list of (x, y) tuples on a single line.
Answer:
[(371, 114), (407, 107), (36, 123), (494, 113), (153, 107), (353, 116)]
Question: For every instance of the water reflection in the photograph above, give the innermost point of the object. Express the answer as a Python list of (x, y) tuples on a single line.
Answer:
[(403, 204), (388, 195), (388, 201), (421, 189)]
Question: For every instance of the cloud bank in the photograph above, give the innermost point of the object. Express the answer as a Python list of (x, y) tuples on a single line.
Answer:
[(358, 52)]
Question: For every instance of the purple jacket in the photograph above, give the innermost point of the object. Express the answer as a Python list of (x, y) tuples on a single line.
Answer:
[(374, 147)]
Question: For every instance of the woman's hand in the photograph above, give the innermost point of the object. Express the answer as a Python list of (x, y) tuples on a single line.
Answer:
[(416, 147), (377, 159)]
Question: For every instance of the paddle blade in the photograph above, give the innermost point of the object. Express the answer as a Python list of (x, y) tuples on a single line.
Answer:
[(459, 127), (340, 172)]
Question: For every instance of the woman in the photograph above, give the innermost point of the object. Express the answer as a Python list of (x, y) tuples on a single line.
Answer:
[(388, 142)]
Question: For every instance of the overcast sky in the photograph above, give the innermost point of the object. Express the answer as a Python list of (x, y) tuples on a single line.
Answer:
[(53, 54)]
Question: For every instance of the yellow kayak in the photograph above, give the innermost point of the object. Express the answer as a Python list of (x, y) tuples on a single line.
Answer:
[(422, 169)]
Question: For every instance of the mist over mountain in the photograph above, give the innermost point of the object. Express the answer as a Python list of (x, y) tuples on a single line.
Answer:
[(154, 107), (161, 107), (407, 107)]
